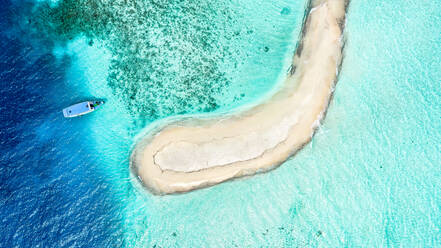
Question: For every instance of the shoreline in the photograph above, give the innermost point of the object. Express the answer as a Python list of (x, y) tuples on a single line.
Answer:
[(187, 154)]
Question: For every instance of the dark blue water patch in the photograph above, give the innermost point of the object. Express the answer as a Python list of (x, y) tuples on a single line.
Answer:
[(23, 90), (48, 198), (52, 193)]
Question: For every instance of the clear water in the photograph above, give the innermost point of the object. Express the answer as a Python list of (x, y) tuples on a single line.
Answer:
[(369, 178)]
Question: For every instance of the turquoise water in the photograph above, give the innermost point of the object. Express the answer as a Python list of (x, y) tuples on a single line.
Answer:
[(369, 178)]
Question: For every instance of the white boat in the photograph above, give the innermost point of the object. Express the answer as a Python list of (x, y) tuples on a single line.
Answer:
[(81, 108)]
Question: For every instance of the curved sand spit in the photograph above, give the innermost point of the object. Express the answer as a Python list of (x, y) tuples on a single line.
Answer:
[(194, 153)]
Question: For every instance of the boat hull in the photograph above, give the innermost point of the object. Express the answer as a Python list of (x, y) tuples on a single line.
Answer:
[(81, 108)]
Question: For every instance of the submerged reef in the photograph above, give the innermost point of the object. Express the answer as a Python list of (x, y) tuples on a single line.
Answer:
[(168, 56)]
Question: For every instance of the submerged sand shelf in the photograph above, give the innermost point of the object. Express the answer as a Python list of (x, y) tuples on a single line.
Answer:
[(188, 154)]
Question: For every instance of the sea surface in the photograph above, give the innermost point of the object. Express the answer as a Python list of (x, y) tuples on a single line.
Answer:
[(370, 177)]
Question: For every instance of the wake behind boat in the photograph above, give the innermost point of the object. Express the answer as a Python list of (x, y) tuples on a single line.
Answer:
[(81, 108)]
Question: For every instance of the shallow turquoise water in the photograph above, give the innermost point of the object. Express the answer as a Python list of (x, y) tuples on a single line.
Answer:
[(369, 178)]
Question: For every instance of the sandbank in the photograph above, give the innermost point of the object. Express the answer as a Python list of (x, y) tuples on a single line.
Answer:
[(192, 153)]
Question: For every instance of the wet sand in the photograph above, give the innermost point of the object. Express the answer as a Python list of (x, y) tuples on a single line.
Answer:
[(193, 153)]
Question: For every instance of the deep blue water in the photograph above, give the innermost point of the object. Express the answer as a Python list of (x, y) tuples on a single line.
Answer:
[(44, 201)]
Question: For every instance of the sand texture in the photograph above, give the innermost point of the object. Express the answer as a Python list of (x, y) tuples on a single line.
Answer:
[(192, 153)]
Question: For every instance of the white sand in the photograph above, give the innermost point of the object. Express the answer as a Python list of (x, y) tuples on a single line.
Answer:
[(190, 154)]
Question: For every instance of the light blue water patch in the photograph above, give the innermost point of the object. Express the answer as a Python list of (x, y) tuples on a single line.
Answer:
[(267, 51)]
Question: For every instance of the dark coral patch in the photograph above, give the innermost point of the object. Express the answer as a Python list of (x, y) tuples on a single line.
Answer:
[(167, 55)]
